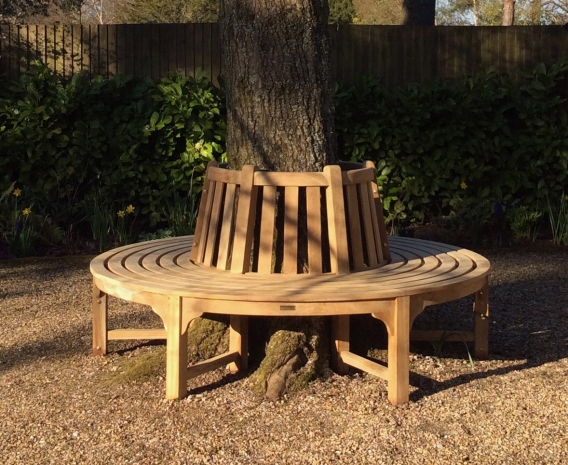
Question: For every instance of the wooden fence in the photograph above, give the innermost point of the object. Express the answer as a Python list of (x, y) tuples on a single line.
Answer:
[(398, 54)]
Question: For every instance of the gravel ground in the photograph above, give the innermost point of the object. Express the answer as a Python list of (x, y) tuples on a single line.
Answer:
[(60, 405)]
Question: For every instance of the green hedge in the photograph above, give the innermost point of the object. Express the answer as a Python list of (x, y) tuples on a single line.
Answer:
[(439, 146), (119, 139), (445, 144)]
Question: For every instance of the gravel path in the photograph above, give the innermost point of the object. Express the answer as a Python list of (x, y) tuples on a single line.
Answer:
[(60, 405)]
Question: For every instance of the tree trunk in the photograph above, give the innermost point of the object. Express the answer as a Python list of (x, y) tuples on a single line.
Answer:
[(419, 12), (280, 116), (280, 112), (509, 13)]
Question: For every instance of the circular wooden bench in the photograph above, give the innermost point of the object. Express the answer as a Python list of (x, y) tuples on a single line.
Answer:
[(283, 244)]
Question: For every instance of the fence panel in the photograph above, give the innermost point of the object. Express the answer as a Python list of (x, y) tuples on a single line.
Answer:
[(397, 54)]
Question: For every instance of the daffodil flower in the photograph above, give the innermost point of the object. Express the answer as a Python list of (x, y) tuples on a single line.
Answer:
[(463, 185), (130, 209), (17, 192), (26, 211), (120, 213)]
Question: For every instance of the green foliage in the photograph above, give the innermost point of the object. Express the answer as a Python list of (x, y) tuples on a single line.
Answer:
[(168, 11), (482, 136), (341, 11), (558, 215), (23, 229), (118, 139), (524, 223)]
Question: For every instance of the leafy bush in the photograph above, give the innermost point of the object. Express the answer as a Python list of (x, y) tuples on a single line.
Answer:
[(120, 138), (477, 139)]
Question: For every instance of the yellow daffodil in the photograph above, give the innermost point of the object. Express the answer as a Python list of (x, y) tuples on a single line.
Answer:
[(26, 211), (566, 198), (130, 209), (17, 192), (120, 213), (463, 185)]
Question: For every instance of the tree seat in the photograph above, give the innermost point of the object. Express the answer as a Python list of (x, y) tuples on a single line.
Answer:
[(160, 274)]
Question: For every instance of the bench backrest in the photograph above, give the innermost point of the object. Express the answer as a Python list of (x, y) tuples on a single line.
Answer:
[(328, 222)]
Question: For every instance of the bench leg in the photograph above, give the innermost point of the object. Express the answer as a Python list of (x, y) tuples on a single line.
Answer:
[(100, 318), (176, 351), (340, 336), (399, 352), (238, 342), (481, 322)]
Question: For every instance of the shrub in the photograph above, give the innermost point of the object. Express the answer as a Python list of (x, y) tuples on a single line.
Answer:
[(481, 138)]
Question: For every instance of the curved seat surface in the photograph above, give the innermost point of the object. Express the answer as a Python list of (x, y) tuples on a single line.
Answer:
[(438, 271)]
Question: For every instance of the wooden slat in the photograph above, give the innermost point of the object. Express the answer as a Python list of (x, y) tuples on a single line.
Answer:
[(208, 213), (135, 333), (22, 49), (86, 49), (290, 257), (375, 194), (224, 175), (76, 52), (216, 67), (355, 237), (181, 47), (226, 226), (166, 44), (67, 51), (104, 50), (214, 224), (31, 47), (367, 207), (141, 51), (207, 43), (339, 255), (51, 47), (379, 227), (268, 218), (358, 176), (198, 48), (283, 179), (112, 44), (313, 209), (121, 49), (244, 222), (191, 48), (212, 364), (155, 52), (200, 218), (368, 366)]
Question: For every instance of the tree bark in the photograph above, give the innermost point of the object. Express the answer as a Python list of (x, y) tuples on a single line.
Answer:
[(419, 12), (280, 113), (280, 117), (508, 13)]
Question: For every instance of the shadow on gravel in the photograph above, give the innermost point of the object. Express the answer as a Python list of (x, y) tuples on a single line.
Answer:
[(428, 386), (66, 343), (528, 302)]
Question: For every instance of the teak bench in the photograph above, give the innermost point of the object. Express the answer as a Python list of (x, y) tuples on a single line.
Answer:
[(289, 244)]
